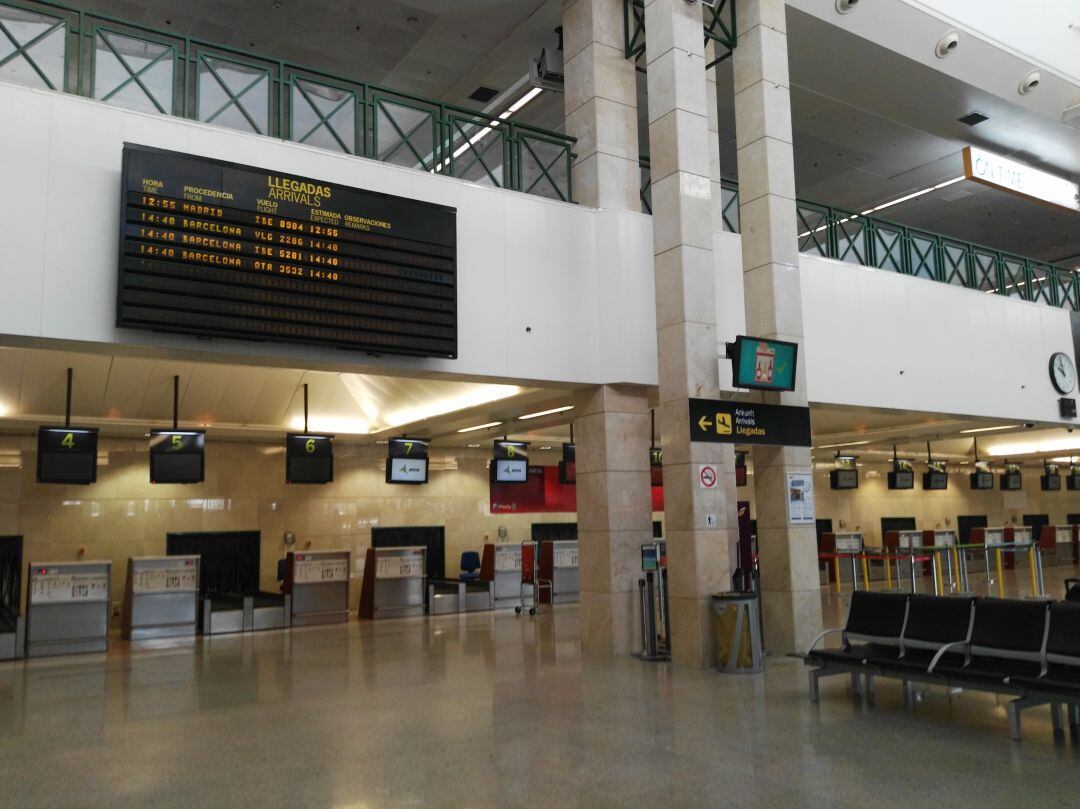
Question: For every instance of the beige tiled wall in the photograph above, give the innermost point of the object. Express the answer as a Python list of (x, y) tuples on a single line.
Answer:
[(124, 515)]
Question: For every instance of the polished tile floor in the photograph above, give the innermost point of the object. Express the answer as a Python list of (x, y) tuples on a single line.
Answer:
[(492, 710)]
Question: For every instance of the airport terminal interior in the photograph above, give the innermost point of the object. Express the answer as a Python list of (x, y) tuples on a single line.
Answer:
[(502, 403)]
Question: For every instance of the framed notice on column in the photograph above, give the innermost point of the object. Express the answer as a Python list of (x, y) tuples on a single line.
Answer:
[(800, 498)]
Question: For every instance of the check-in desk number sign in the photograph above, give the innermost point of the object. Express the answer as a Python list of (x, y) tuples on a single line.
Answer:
[(508, 558), (994, 537), (1064, 534), (165, 579), (399, 568), (68, 588), (317, 571), (944, 539), (565, 557)]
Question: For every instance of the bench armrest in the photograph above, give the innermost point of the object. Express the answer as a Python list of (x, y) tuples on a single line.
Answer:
[(822, 636), (941, 653)]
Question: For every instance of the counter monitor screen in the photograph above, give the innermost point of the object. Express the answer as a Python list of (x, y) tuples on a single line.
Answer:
[(407, 461), (1050, 482), (1010, 482), (901, 479), (844, 479), (982, 481), (935, 481), (505, 471), (217, 249), (309, 458), (67, 455), (177, 456)]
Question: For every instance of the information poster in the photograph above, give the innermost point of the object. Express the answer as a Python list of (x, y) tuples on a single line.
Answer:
[(800, 486), (320, 571)]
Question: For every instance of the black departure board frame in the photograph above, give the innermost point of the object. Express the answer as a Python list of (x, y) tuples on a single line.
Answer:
[(217, 249)]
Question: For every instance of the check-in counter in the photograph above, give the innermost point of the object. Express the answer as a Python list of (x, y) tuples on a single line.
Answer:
[(559, 564), (393, 585), (318, 584), (501, 565), (1059, 544), (67, 608), (161, 597)]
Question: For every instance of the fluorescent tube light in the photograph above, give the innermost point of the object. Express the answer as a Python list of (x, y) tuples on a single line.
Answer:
[(989, 429), (480, 427), (545, 412)]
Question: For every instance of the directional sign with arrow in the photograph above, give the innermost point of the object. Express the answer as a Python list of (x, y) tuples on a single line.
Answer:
[(726, 422)]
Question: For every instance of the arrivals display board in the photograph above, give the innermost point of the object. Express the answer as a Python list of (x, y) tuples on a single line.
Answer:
[(216, 249)]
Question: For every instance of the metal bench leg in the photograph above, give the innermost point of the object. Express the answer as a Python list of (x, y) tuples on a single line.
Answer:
[(870, 688), (1014, 709), (1074, 716), (856, 688), (1055, 716), (815, 675)]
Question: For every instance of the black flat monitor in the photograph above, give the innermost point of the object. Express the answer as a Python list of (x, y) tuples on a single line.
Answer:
[(901, 479), (1010, 482), (935, 481), (844, 479), (982, 481), (177, 456), (309, 458), (1050, 483), (67, 455), (407, 461)]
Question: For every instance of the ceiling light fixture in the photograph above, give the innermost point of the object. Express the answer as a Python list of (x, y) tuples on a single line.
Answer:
[(474, 446), (885, 205), (483, 133), (480, 427), (847, 444), (1029, 447), (562, 409), (989, 429)]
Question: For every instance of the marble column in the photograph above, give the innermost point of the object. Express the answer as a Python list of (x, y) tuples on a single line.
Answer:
[(614, 513), (601, 105), (700, 524), (770, 255)]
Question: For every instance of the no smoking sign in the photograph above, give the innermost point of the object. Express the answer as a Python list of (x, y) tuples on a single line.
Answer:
[(708, 477)]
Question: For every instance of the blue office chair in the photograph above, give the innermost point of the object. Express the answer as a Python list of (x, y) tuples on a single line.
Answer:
[(470, 566)]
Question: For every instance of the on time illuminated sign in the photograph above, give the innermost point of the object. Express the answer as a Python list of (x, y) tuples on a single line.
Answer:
[(1001, 172)]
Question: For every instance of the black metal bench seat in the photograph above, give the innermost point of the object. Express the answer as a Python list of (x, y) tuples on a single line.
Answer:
[(1029, 649)]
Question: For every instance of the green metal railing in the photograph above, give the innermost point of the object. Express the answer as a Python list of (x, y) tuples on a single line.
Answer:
[(51, 46), (874, 242), (718, 24)]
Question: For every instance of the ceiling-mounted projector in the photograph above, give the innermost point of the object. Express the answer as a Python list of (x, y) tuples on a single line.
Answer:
[(546, 70)]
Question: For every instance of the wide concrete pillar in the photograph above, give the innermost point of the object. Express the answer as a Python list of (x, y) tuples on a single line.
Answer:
[(614, 512), (770, 255), (601, 105), (700, 524)]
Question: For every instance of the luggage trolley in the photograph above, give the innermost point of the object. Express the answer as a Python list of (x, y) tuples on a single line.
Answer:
[(531, 579)]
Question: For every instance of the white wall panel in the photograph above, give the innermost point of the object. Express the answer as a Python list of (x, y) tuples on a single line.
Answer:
[(523, 261)]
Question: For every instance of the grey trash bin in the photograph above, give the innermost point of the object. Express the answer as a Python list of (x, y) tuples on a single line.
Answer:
[(737, 633)]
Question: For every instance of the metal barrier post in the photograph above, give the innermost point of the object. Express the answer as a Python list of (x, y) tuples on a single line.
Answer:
[(888, 572), (1033, 571), (914, 584), (836, 571), (865, 571), (1000, 573), (854, 573), (936, 571)]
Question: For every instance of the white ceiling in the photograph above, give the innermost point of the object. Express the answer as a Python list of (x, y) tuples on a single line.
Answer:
[(130, 394)]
